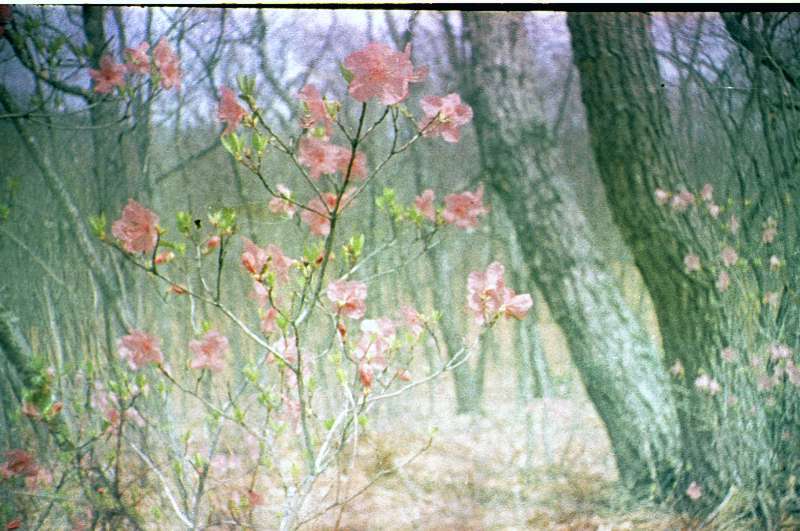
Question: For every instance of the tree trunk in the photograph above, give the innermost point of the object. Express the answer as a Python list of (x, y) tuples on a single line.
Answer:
[(617, 360)]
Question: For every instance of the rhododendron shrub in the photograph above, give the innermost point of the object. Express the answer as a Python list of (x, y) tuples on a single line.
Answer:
[(249, 370), (749, 375)]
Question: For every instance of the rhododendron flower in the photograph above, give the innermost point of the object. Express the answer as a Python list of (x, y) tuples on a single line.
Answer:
[(705, 383), (694, 491), (488, 295), (136, 229), (29, 410), (164, 258), (714, 210), (692, 262), (318, 156), (729, 256), (348, 297), (729, 354), (260, 294), (168, 64), (317, 114), (445, 115), (677, 368), (213, 242), (662, 196), (793, 373), (424, 204), (779, 351), (723, 281), (18, 463), (137, 60), (177, 289), (768, 236), (359, 168), (774, 263), (772, 298), (109, 76), (462, 210), (269, 321), (209, 352), (682, 200), (376, 338), (254, 499), (286, 348), (413, 320), (229, 110), (139, 349), (315, 215), (254, 258), (707, 193), (733, 224), (278, 262), (380, 72), (403, 375), (282, 205)]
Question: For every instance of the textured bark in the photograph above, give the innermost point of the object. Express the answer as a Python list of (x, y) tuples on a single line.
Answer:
[(634, 148), (617, 360)]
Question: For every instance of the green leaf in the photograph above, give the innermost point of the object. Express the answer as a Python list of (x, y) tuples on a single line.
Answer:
[(346, 74), (98, 225), (184, 221)]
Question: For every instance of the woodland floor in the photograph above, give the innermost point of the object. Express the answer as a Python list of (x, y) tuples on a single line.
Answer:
[(492, 472)]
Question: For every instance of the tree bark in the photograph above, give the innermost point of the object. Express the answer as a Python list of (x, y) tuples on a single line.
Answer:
[(619, 364)]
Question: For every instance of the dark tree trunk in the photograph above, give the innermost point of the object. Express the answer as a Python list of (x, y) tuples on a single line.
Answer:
[(619, 364)]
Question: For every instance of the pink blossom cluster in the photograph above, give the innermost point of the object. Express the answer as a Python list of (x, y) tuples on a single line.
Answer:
[(488, 297), (322, 157), (229, 110), (348, 297), (140, 348), (209, 352), (137, 229), (461, 210), (111, 74), (20, 463), (258, 261)]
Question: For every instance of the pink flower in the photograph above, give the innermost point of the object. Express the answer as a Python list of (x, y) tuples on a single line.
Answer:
[(209, 352), (359, 167), (254, 258), (137, 60), (376, 339), (694, 491), (445, 116), (705, 383), (413, 320), (139, 349), (316, 217), (424, 204), (729, 256), (488, 295), (282, 205), (168, 64), (269, 321), (793, 372), (662, 196), (316, 113), (229, 110), (733, 224), (348, 297), (136, 229), (213, 242), (713, 210), (109, 76), (259, 294), (682, 200), (18, 463), (692, 262), (677, 368), (462, 210), (780, 351), (729, 354), (318, 156), (380, 72), (768, 236), (723, 281), (279, 263), (286, 347), (708, 192), (164, 258), (772, 298)]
